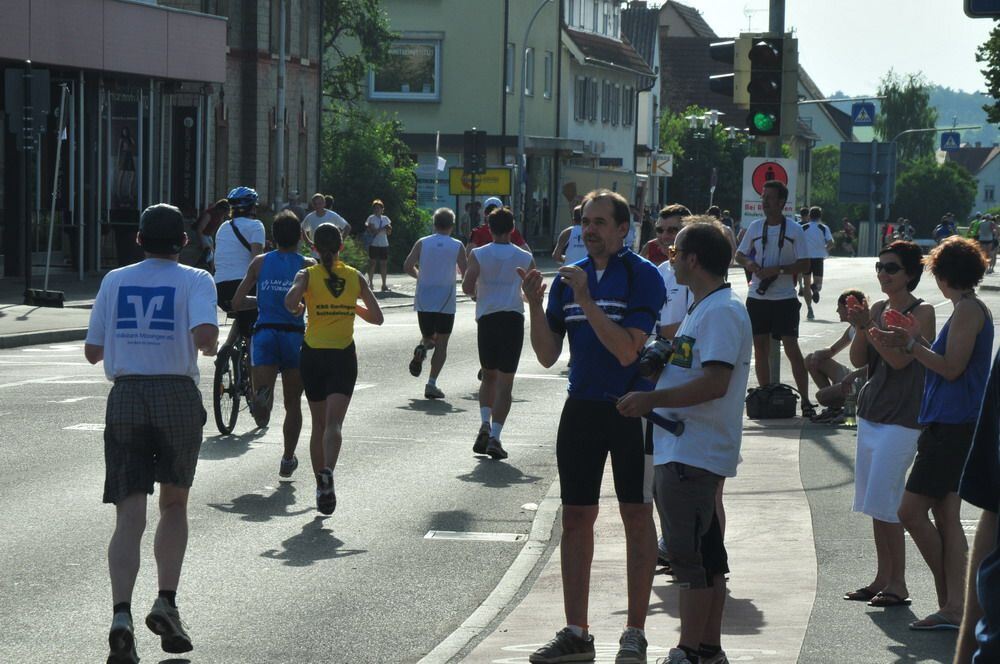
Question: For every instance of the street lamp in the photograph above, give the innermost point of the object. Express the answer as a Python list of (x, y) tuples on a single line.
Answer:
[(522, 160)]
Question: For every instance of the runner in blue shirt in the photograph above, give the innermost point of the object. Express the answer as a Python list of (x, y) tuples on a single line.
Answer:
[(607, 304)]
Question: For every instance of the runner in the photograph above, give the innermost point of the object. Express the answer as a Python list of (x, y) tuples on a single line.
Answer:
[(322, 214), (432, 262), (329, 361), (492, 278), (148, 324), (569, 247), (237, 242), (380, 228), (819, 241), (277, 336), (668, 224), (481, 235), (607, 305)]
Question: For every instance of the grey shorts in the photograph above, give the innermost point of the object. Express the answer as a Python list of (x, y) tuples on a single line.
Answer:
[(685, 497), (152, 433)]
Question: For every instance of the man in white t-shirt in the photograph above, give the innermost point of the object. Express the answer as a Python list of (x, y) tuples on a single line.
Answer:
[(380, 228), (236, 243), (432, 262), (321, 215), (819, 241), (703, 385), (778, 247), (148, 324), (492, 278)]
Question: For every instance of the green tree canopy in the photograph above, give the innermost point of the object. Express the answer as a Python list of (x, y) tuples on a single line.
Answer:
[(925, 191), (906, 106), (989, 55), (356, 35)]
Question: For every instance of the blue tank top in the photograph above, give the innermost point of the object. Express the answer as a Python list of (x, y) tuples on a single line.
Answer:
[(274, 281), (958, 401)]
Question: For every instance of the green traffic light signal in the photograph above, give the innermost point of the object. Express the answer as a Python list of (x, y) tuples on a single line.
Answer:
[(763, 122)]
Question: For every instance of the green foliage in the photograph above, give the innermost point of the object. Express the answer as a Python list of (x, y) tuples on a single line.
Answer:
[(925, 191), (364, 159), (354, 254), (356, 35), (405, 232), (906, 106), (825, 190), (989, 55)]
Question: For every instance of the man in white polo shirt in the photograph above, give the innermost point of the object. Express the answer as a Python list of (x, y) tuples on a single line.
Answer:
[(148, 324)]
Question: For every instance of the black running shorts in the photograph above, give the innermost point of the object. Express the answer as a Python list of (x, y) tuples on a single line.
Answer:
[(225, 290), (500, 338), (588, 432), (779, 318), (433, 322), (815, 267), (327, 371)]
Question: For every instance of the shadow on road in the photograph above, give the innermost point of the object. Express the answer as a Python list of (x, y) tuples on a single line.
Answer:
[(435, 407), (217, 448), (313, 544), (255, 507), (175, 660), (456, 520), (910, 645), (497, 474), (742, 615)]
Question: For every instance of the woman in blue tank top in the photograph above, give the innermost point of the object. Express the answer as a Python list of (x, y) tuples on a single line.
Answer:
[(957, 364)]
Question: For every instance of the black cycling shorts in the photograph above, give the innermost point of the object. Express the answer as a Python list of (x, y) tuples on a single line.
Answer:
[(327, 371), (500, 338), (434, 322), (588, 432), (245, 319)]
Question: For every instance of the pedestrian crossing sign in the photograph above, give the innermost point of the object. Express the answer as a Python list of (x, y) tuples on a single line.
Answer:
[(863, 114), (951, 140)]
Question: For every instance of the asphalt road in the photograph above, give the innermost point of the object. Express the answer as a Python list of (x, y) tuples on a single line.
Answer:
[(268, 580)]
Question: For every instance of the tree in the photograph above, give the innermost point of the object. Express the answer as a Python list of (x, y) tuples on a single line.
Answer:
[(906, 106), (989, 53), (356, 36), (925, 191)]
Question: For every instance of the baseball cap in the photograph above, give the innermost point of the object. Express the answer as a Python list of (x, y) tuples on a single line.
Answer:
[(161, 229), (492, 201)]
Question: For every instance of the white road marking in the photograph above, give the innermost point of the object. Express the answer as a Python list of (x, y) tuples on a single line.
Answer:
[(474, 537), (74, 399), (541, 376), (85, 426), (363, 386), (33, 380), (77, 381), (29, 363)]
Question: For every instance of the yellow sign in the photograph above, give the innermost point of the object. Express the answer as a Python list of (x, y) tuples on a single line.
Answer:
[(495, 182)]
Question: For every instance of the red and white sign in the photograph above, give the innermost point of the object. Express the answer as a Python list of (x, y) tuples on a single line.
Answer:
[(757, 171)]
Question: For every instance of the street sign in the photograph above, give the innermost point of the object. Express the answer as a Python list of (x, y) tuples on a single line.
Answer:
[(951, 140), (863, 114), (757, 171), (982, 8), (859, 162), (663, 165), (494, 182)]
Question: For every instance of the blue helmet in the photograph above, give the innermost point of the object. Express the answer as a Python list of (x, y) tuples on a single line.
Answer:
[(242, 197)]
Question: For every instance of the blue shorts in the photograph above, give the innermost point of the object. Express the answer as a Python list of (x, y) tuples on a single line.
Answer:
[(276, 347)]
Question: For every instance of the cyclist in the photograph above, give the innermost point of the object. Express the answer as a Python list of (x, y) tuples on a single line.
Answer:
[(236, 243), (277, 336), (329, 361)]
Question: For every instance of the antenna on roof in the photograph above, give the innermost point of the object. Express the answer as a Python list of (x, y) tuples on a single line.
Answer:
[(748, 12)]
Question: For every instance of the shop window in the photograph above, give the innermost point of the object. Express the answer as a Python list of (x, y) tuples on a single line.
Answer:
[(412, 73)]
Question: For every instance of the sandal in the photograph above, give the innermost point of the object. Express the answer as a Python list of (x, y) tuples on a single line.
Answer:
[(808, 410), (861, 595), (885, 600)]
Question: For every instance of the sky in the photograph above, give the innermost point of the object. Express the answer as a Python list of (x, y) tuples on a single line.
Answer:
[(848, 45)]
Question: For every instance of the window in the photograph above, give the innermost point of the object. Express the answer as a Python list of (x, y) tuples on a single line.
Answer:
[(606, 102), (597, 11), (508, 81), (606, 18), (529, 71), (628, 106), (275, 35), (592, 100), (616, 20), (412, 73), (579, 12), (580, 99), (571, 13), (305, 26), (548, 75), (616, 105), (988, 192)]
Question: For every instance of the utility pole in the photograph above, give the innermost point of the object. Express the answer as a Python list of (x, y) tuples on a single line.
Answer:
[(279, 141), (772, 146)]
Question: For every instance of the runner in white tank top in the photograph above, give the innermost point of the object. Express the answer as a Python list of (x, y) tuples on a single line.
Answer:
[(432, 262)]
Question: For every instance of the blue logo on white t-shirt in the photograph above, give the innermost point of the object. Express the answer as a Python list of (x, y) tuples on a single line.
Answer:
[(141, 308)]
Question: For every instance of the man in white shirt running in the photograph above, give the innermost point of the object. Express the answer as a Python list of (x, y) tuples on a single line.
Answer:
[(570, 247), (432, 262), (492, 278), (148, 324), (819, 241)]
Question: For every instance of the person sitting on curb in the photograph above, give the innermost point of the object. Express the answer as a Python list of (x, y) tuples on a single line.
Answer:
[(831, 377)]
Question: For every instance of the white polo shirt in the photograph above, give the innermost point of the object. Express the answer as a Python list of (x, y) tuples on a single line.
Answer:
[(232, 258)]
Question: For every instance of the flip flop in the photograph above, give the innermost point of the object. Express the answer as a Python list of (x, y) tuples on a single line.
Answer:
[(884, 599), (861, 595), (937, 622)]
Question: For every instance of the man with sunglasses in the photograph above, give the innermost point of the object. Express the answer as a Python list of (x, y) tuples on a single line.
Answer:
[(778, 245), (667, 226)]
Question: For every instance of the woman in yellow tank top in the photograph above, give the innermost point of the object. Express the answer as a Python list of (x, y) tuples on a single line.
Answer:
[(328, 362)]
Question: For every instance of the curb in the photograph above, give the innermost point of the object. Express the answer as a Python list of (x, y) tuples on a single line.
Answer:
[(43, 337)]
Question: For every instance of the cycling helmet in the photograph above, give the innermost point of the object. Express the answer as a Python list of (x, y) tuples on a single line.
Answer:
[(242, 197)]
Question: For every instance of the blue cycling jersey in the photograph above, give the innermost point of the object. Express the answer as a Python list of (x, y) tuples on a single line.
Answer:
[(630, 292), (277, 273)]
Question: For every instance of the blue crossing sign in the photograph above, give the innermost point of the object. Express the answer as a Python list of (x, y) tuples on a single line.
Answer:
[(863, 114), (951, 140), (982, 8)]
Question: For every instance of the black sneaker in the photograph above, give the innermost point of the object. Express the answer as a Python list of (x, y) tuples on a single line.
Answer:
[(482, 439), (815, 294), (565, 647), (417, 363), (495, 449), (121, 639), (165, 621), (326, 498)]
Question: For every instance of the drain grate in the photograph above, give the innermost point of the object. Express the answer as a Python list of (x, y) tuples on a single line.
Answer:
[(474, 537)]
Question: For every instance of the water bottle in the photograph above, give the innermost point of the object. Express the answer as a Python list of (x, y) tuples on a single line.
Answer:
[(851, 406)]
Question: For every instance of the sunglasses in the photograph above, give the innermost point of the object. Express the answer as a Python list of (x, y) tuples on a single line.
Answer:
[(668, 229), (890, 268), (672, 251)]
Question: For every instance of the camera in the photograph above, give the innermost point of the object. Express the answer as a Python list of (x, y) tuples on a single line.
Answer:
[(765, 284), (654, 357)]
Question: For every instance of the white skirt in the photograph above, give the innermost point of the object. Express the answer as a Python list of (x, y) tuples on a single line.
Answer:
[(885, 452)]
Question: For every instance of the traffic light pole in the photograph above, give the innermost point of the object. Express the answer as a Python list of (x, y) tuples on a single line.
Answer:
[(772, 147)]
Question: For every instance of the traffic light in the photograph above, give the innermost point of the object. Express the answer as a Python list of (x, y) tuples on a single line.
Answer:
[(732, 52), (766, 56), (474, 153)]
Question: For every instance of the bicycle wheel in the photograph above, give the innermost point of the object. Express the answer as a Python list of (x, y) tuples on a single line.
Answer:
[(225, 390), (245, 380)]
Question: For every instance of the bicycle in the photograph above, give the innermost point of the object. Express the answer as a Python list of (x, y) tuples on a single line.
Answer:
[(232, 382)]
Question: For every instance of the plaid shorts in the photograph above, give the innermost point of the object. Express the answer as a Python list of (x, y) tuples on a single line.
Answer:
[(152, 433)]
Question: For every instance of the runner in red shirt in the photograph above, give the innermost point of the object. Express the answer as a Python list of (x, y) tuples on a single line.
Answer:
[(481, 234)]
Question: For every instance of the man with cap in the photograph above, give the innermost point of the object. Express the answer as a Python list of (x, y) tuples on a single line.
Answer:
[(481, 234), (148, 324)]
